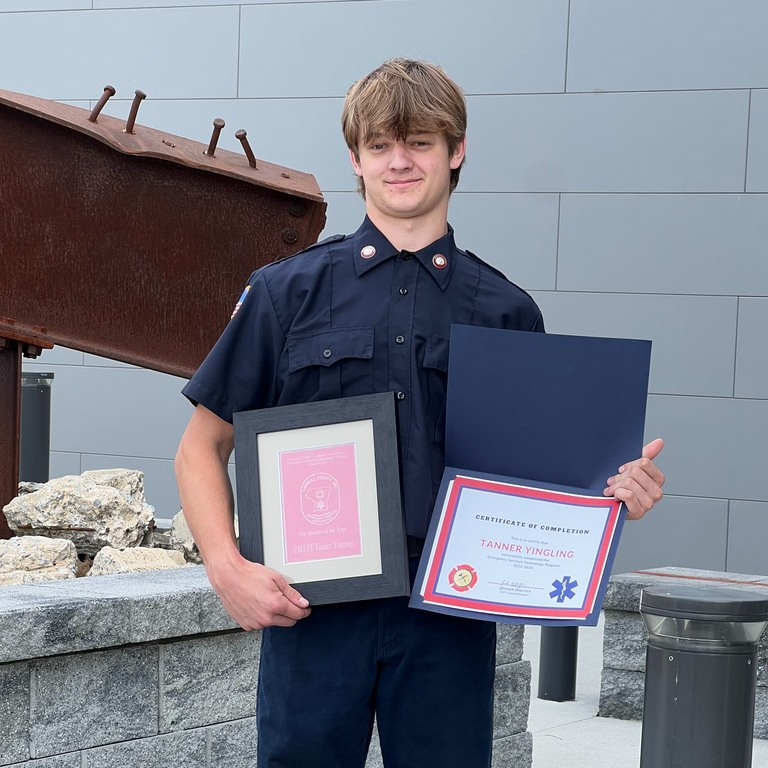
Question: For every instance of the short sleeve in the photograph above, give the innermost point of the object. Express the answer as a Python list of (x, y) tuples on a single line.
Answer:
[(241, 371)]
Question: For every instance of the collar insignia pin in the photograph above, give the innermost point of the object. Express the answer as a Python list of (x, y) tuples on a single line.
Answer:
[(439, 261), (368, 252)]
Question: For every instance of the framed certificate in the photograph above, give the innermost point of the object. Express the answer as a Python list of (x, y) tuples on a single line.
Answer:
[(511, 553), (318, 489)]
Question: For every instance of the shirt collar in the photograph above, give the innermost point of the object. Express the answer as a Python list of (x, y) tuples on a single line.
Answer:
[(372, 248)]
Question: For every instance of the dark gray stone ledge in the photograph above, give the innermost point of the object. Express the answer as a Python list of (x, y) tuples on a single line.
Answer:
[(56, 617)]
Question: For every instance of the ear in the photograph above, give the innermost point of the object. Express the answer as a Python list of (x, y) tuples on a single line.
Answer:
[(354, 158), (457, 157)]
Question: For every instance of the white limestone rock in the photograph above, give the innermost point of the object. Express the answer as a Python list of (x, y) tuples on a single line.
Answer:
[(182, 537), (27, 559), (134, 559), (96, 509)]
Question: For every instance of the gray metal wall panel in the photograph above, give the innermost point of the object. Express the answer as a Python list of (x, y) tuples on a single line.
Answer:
[(95, 360), (715, 447), (622, 142), (44, 5), (191, 3), (523, 44), (685, 253), (752, 349), (59, 356), (747, 534), (159, 479), (662, 45), (757, 164), (693, 336), (680, 531), (684, 244), (64, 463), (116, 411), (515, 233), (298, 133), (162, 52), (525, 250), (345, 213)]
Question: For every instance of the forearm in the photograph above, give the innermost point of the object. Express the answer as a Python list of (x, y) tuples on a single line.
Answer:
[(206, 499)]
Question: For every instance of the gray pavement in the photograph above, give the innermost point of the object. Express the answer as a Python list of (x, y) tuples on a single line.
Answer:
[(569, 734)]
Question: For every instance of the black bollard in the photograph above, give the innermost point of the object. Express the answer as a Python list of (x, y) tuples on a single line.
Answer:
[(34, 443), (700, 676), (558, 654)]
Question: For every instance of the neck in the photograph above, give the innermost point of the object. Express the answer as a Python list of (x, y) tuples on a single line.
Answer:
[(410, 234)]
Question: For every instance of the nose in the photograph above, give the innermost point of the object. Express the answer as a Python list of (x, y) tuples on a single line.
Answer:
[(400, 158)]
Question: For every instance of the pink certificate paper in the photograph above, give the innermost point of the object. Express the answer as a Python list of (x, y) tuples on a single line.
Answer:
[(320, 504)]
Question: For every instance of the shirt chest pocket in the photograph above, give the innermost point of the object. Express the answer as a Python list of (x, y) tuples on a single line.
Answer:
[(331, 363)]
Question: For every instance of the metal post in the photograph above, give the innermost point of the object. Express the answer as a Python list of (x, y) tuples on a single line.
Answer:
[(558, 654), (700, 676), (34, 463), (10, 400)]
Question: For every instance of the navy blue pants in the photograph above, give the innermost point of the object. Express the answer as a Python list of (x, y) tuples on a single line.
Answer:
[(427, 677)]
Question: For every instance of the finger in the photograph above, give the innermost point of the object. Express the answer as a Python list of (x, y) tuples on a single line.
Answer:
[(649, 453), (643, 470), (637, 503), (293, 595), (653, 449)]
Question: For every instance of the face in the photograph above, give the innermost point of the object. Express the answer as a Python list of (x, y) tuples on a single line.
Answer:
[(407, 179)]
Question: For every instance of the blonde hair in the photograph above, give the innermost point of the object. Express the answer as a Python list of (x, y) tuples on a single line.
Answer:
[(400, 98)]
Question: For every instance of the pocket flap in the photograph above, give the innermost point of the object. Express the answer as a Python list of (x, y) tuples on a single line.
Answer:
[(328, 347)]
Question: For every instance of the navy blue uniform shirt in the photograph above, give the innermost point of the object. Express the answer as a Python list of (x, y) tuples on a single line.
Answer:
[(353, 316)]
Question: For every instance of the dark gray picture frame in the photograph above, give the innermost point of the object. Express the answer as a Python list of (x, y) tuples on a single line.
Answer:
[(393, 580)]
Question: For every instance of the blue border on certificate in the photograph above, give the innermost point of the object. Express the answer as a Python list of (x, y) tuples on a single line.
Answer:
[(458, 567)]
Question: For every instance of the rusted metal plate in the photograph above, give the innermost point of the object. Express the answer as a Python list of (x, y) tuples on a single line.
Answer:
[(135, 246), (127, 242)]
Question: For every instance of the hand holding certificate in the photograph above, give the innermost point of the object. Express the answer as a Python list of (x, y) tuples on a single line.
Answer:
[(521, 531)]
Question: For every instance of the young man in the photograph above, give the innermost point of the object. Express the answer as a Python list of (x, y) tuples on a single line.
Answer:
[(369, 312)]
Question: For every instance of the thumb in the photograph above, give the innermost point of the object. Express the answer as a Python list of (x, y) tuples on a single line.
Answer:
[(292, 594), (653, 449)]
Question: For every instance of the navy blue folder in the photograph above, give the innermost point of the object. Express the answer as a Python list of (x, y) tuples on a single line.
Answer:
[(567, 410), (542, 410)]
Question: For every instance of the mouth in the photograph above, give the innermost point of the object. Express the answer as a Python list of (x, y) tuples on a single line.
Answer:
[(402, 183)]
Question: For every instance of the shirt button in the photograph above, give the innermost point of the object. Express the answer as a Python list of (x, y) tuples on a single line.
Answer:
[(407, 256), (327, 353), (399, 339), (400, 395), (403, 291)]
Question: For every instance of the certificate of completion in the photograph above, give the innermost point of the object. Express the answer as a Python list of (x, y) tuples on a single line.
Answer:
[(502, 551)]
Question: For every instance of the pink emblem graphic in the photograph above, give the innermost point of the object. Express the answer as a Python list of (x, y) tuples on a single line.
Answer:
[(320, 498), (320, 504)]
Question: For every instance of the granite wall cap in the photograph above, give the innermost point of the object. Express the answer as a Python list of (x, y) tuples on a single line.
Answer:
[(623, 592), (51, 618)]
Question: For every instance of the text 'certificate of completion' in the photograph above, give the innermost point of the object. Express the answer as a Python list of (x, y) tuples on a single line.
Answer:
[(516, 552)]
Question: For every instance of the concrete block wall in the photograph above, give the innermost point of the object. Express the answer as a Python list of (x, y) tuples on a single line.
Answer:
[(148, 670), (617, 168)]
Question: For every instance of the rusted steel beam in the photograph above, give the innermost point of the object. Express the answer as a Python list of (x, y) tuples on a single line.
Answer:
[(135, 246), (128, 242)]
